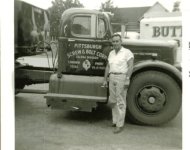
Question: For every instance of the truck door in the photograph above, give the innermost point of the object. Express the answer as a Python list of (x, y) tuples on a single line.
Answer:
[(88, 45)]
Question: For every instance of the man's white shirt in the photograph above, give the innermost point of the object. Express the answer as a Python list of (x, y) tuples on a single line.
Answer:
[(118, 61)]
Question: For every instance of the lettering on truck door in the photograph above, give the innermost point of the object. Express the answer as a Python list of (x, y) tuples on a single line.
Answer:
[(87, 53)]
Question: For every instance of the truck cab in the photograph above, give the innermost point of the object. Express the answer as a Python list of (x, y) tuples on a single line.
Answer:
[(84, 46), (87, 36)]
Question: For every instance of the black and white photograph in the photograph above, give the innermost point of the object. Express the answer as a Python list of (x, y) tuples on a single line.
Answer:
[(95, 75)]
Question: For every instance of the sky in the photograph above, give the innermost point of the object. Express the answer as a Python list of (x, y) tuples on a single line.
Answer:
[(95, 4)]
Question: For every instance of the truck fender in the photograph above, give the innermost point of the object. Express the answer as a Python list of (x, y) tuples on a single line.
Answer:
[(158, 66)]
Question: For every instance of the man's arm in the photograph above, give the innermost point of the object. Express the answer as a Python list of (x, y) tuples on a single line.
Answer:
[(106, 75), (130, 69)]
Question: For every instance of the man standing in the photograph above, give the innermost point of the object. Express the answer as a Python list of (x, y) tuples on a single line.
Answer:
[(119, 68)]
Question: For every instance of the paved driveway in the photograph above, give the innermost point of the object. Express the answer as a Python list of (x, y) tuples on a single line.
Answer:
[(41, 128)]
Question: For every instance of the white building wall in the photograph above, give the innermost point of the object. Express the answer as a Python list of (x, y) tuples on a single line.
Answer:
[(163, 28)]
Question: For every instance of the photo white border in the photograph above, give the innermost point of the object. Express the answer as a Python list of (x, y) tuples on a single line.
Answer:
[(186, 73), (7, 75)]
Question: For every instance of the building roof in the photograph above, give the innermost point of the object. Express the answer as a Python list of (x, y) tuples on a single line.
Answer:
[(130, 14), (135, 14)]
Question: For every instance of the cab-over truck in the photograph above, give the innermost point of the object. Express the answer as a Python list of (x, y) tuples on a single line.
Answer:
[(154, 94)]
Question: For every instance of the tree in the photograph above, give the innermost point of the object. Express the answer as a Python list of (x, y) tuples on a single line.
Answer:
[(57, 9), (176, 6), (107, 6)]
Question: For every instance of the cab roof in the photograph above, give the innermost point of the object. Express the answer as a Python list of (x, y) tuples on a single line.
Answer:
[(72, 11), (81, 10)]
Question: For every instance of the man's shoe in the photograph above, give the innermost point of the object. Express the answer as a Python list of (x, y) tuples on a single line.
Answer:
[(118, 130), (113, 125)]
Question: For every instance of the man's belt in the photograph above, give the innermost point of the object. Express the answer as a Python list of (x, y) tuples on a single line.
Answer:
[(116, 73)]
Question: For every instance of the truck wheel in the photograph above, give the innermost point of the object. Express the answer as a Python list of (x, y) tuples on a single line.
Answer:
[(153, 98)]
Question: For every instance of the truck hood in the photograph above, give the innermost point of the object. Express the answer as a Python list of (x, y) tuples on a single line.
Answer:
[(144, 42), (152, 50)]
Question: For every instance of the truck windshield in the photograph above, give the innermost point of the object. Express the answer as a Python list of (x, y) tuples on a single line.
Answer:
[(82, 26), (87, 26)]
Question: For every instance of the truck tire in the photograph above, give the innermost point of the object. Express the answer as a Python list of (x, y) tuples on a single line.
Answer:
[(153, 98)]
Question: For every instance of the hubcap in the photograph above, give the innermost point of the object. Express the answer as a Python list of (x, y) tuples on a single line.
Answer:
[(151, 99)]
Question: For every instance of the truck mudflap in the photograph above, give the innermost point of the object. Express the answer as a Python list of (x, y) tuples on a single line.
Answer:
[(88, 91)]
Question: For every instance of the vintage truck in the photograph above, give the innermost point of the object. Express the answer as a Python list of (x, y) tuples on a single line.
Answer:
[(154, 95), (155, 92)]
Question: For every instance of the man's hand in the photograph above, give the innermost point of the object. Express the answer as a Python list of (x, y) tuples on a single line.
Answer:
[(127, 82), (105, 84)]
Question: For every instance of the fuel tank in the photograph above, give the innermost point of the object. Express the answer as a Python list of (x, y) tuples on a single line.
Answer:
[(75, 92)]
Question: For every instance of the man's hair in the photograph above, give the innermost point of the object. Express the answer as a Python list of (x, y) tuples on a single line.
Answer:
[(114, 35)]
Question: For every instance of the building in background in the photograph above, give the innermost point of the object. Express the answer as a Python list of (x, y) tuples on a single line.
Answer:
[(154, 22), (163, 26), (131, 16)]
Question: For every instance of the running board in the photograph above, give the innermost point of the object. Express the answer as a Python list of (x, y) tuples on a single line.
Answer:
[(31, 91), (76, 97)]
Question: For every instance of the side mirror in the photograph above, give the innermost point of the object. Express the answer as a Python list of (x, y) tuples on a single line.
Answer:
[(66, 31)]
